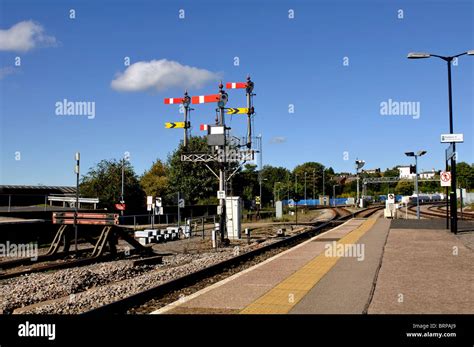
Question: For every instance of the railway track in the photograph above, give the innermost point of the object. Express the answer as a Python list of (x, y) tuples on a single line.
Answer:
[(24, 266), (162, 294), (438, 210)]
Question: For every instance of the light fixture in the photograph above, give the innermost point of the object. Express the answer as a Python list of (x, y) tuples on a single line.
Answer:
[(418, 55)]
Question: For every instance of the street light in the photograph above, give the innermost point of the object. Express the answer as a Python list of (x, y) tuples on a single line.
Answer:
[(334, 193), (416, 155), (448, 60), (359, 164), (274, 193)]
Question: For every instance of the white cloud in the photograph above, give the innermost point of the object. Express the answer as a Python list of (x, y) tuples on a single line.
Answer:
[(5, 71), (278, 139), (24, 36), (161, 75)]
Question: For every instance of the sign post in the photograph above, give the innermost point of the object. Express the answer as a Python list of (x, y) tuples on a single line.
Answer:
[(445, 178)]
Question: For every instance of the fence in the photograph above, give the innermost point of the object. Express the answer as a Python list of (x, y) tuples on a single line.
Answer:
[(315, 202), (11, 201)]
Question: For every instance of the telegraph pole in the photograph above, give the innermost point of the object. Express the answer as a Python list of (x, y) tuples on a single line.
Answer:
[(77, 170), (122, 200), (305, 202), (324, 182)]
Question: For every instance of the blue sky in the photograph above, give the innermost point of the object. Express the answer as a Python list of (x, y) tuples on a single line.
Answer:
[(295, 61)]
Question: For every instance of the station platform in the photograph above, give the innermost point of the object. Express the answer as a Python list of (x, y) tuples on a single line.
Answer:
[(379, 263)]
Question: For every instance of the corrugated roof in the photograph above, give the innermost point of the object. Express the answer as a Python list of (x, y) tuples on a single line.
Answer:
[(63, 189)]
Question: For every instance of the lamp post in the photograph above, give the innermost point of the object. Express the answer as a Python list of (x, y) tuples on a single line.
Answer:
[(448, 60), (276, 196), (359, 164), (334, 193), (416, 155), (324, 182), (305, 201)]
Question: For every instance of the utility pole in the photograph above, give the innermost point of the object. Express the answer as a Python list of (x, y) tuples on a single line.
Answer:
[(122, 199), (314, 184), (179, 214), (288, 187), (260, 168), (77, 170), (324, 182), (305, 202), (334, 193), (416, 189), (296, 184)]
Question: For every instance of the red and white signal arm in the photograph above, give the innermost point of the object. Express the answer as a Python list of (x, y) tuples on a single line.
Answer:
[(169, 101), (204, 127), (445, 178), (201, 99), (235, 85)]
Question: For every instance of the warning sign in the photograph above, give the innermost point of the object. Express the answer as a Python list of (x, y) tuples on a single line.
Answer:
[(445, 178), (391, 198)]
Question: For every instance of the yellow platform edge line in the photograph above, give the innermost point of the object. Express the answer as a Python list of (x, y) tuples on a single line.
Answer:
[(285, 295)]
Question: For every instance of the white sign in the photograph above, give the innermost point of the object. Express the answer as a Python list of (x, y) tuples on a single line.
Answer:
[(149, 200), (450, 152), (221, 194), (181, 203), (446, 138), (445, 177), (158, 202), (159, 210), (391, 198), (217, 130)]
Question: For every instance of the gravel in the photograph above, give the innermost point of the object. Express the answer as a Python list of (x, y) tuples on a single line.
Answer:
[(76, 290), (98, 296)]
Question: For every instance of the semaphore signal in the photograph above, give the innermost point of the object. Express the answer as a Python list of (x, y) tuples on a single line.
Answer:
[(219, 142)]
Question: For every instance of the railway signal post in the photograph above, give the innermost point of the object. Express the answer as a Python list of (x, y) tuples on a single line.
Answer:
[(218, 141)]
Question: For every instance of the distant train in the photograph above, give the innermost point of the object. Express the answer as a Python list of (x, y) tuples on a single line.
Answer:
[(426, 198)]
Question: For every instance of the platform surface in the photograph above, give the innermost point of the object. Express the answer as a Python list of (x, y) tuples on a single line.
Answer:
[(384, 270)]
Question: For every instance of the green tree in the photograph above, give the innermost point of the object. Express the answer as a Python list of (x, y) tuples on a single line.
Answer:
[(313, 172), (275, 180), (105, 182), (465, 175), (393, 172), (404, 187), (155, 181), (245, 183), (194, 181)]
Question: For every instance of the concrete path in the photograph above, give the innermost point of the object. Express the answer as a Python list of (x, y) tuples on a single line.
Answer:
[(347, 288), (425, 271)]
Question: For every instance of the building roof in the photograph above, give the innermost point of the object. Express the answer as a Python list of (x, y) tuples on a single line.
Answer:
[(57, 189)]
